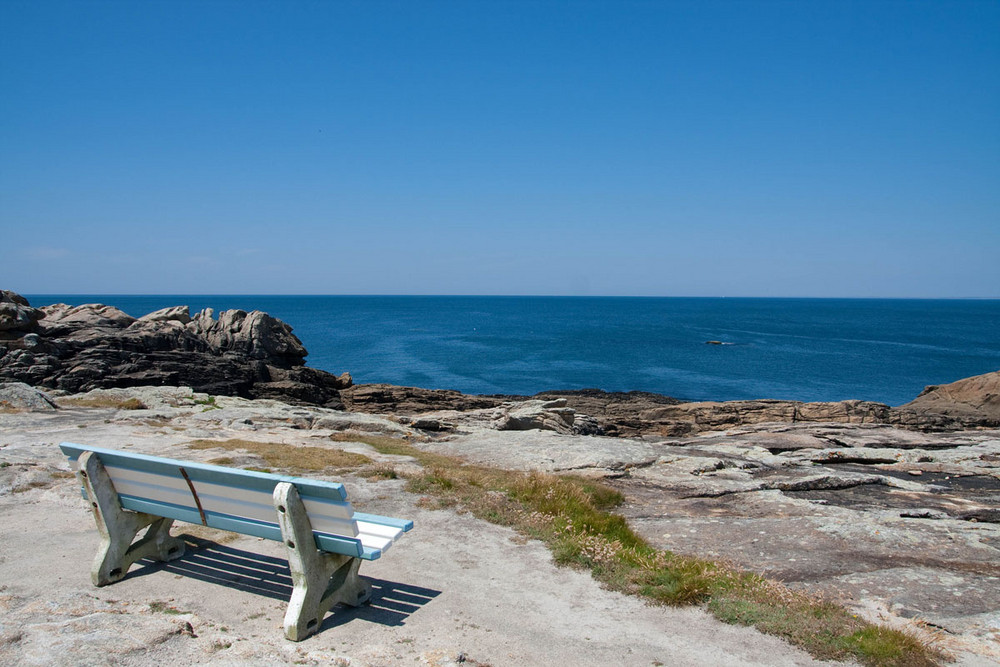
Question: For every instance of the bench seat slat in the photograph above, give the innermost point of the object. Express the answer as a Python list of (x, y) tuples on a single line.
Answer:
[(117, 474), (378, 536), (366, 528), (346, 545), (322, 523), (327, 516), (328, 519), (334, 508), (376, 542), (321, 506), (405, 524), (203, 472), (162, 508), (179, 497), (269, 531)]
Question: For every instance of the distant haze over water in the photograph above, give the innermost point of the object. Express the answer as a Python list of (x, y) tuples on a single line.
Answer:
[(801, 349)]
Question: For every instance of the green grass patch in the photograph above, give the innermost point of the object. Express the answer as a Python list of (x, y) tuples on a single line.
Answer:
[(164, 608), (209, 403), (889, 647)]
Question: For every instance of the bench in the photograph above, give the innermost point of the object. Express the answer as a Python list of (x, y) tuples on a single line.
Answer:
[(325, 539)]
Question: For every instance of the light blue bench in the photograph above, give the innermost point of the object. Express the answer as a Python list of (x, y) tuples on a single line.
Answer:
[(325, 539)]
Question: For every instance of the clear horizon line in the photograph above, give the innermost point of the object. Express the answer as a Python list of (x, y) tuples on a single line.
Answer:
[(509, 296)]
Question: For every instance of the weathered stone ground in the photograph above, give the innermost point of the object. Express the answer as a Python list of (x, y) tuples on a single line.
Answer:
[(899, 524), (454, 591), (896, 523)]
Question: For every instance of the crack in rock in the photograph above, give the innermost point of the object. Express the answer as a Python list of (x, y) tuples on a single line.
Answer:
[(821, 483)]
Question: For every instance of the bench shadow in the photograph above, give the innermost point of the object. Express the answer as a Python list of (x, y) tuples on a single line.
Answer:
[(391, 603)]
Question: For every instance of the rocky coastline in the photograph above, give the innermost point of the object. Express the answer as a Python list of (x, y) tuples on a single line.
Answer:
[(893, 511), (254, 355)]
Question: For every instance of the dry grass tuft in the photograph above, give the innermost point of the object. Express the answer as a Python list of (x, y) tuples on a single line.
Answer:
[(384, 444), (379, 471), (103, 402), (292, 458), (33, 484)]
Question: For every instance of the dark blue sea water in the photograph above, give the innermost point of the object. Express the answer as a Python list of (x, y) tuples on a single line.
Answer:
[(802, 349)]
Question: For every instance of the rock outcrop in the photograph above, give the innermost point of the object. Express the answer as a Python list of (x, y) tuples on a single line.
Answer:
[(971, 402), (386, 398), (550, 415), (16, 314), (17, 396), (79, 348), (615, 412), (688, 418)]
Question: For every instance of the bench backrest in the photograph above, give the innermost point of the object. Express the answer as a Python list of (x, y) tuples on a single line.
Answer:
[(240, 501)]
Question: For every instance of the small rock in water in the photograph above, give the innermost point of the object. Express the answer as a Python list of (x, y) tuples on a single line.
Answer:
[(915, 473)]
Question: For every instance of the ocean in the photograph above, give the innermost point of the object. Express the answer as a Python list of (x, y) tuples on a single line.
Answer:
[(883, 350)]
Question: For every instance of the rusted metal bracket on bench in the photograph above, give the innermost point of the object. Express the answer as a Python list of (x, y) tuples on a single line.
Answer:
[(194, 494)]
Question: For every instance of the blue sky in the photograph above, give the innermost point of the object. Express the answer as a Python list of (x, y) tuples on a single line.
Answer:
[(583, 148)]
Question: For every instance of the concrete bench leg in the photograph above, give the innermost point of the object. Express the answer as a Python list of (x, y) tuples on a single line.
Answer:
[(320, 579), (118, 527)]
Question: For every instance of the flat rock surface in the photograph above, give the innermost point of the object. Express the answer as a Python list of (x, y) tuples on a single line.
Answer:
[(454, 591)]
